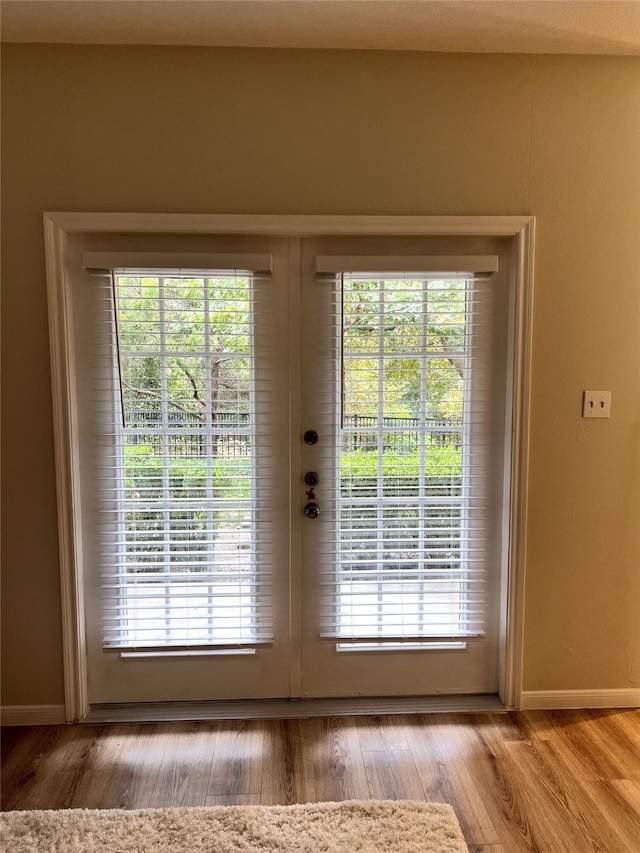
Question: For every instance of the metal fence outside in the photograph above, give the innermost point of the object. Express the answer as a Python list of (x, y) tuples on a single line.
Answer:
[(229, 435)]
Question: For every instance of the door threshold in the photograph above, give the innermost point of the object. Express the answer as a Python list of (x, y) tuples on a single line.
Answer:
[(284, 709)]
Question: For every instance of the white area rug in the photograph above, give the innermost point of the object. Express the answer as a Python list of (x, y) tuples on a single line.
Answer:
[(376, 826)]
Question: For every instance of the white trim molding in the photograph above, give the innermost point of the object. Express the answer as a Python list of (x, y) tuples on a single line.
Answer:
[(286, 225), (59, 228), (65, 447), (520, 347), (548, 700), (32, 715)]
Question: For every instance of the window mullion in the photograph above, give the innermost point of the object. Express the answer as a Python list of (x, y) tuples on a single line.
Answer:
[(166, 500), (380, 452), (468, 429), (422, 445)]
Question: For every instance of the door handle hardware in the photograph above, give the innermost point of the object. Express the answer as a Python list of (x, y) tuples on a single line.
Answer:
[(312, 510), (311, 479), (310, 437)]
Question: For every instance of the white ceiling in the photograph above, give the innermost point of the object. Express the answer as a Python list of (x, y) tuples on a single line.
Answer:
[(476, 26)]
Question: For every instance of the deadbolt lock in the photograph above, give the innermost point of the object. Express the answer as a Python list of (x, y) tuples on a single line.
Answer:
[(312, 510)]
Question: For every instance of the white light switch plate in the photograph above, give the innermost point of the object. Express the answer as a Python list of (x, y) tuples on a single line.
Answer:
[(596, 404)]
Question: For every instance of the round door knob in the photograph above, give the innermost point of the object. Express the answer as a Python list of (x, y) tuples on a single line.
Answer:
[(312, 510), (310, 437), (311, 478)]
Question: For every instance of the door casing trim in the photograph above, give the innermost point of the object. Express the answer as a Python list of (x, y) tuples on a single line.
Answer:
[(59, 226)]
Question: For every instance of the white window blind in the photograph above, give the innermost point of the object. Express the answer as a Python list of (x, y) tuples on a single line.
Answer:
[(182, 381), (404, 553)]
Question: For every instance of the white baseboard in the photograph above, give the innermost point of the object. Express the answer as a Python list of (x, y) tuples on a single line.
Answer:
[(32, 715), (547, 700), (532, 700)]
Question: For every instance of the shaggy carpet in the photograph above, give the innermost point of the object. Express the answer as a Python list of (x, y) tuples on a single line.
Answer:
[(376, 826)]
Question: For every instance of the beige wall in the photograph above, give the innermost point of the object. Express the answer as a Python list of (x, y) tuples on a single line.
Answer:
[(209, 130)]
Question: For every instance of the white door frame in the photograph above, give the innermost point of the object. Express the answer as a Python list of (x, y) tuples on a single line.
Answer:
[(60, 226)]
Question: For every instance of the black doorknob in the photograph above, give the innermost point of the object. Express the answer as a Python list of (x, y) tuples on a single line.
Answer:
[(312, 510), (311, 478), (310, 437)]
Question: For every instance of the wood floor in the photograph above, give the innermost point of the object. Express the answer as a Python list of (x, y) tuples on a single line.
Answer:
[(532, 781)]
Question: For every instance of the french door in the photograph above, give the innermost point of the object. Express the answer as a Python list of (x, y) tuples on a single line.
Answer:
[(293, 467), (402, 380), (187, 566)]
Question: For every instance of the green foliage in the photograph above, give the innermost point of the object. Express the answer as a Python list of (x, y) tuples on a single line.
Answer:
[(442, 464), (231, 477), (389, 327), (201, 325), (442, 472)]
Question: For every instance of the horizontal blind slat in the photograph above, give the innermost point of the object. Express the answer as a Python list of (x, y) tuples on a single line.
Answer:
[(403, 544), (180, 424)]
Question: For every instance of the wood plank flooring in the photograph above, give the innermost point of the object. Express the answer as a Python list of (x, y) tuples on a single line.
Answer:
[(538, 781)]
